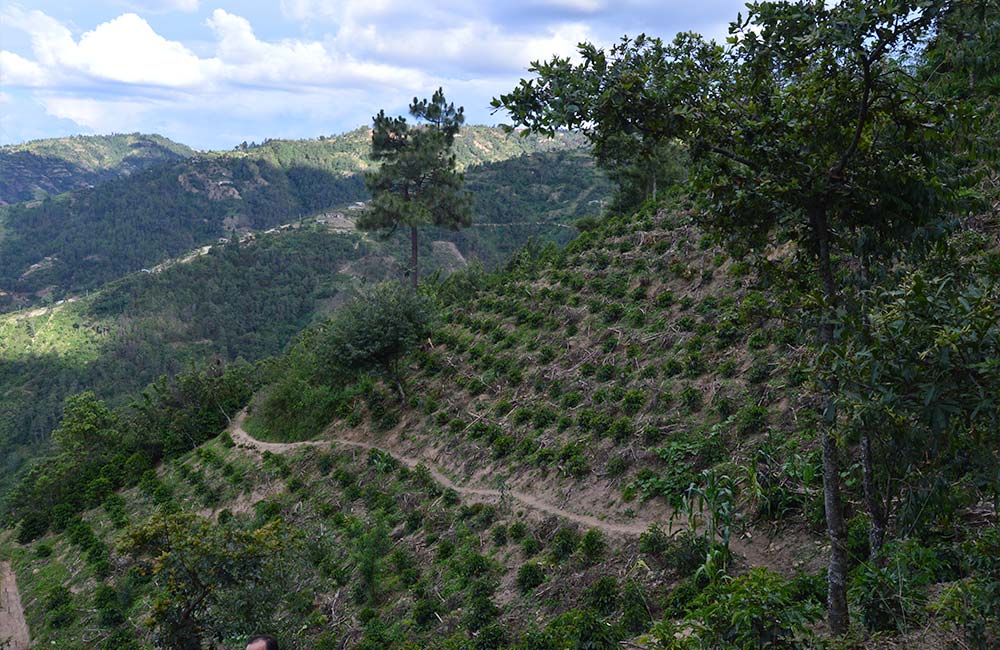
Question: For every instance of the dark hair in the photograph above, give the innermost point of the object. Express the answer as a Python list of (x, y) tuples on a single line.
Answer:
[(270, 643)]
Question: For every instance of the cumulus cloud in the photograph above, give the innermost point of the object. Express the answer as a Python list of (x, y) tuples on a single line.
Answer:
[(124, 50), (18, 71), (127, 50)]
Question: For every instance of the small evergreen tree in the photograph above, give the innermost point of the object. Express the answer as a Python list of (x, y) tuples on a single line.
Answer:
[(417, 183)]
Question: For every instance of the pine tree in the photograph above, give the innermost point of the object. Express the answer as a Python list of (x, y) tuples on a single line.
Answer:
[(417, 183)]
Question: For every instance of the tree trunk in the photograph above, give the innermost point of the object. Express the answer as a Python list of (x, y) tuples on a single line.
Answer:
[(413, 256), (876, 513), (837, 614)]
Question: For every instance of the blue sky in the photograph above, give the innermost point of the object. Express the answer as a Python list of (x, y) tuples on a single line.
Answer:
[(213, 73)]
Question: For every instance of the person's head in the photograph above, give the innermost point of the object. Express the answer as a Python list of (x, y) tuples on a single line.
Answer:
[(262, 642)]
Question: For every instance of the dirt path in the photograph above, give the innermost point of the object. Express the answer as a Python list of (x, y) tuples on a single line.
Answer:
[(13, 627), (784, 554), (240, 436)]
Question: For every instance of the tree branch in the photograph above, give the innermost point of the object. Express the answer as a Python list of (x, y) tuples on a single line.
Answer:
[(732, 156)]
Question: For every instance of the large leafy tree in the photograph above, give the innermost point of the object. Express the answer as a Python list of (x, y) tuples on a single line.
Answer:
[(922, 383), (417, 183), (198, 570), (809, 127)]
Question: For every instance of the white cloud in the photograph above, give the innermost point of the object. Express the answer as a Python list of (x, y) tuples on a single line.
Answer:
[(124, 50), (51, 41), (343, 60), (99, 115), (242, 57), (18, 71), (127, 50)]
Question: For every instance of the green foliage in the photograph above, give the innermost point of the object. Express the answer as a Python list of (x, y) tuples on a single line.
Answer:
[(592, 546), (417, 183), (892, 595), (375, 331), (530, 576), (603, 595), (756, 610), (171, 418), (196, 566)]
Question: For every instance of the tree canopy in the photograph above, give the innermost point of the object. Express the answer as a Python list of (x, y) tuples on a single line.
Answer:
[(810, 127), (417, 183)]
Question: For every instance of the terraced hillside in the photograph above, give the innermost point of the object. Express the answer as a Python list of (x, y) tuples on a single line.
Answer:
[(612, 443), (249, 301)]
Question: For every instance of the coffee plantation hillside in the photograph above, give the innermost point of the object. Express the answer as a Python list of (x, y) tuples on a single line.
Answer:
[(610, 443), (249, 300)]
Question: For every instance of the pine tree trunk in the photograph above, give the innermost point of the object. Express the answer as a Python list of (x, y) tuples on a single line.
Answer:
[(413, 256), (837, 614)]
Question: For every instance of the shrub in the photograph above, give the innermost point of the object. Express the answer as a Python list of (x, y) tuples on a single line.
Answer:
[(530, 546), (755, 610), (691, 397), (592, 546), (892, 596), (499, 534), (616, 466), (564, 543), (621, 429), (633, 401), (635, 613), (518, 530), (665, 299), (751, 419), (606, 373), (654, 541), (376, 330), (602, 595), (529, 576)]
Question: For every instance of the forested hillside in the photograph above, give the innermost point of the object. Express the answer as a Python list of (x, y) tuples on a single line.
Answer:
[(78, 241), (39, 168), (248, 301), (350, 152)]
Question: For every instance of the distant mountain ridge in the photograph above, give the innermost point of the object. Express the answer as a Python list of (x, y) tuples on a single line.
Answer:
[(79, 240), (348, 153), (38, 168)]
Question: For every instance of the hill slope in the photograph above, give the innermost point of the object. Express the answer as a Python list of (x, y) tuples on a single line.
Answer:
[(570, 456), (248, 301), (79, 240), (43, 167)]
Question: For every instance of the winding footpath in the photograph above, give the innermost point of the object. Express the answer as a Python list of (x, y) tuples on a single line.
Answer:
[(13, 626), (241, 437), (756, 551)]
